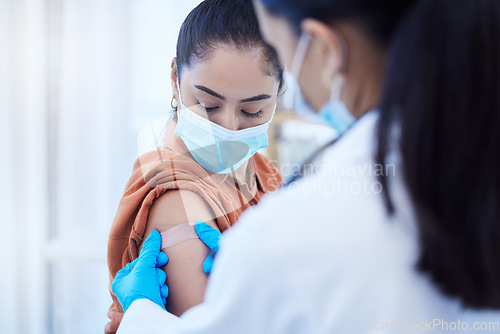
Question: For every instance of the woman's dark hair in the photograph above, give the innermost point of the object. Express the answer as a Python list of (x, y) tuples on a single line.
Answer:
[(443, 90), (216, 22)]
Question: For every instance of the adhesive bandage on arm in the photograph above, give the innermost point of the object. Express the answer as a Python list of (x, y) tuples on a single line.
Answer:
[(177, 234)]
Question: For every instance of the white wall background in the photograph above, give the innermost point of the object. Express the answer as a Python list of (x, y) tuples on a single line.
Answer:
[(78, 80)]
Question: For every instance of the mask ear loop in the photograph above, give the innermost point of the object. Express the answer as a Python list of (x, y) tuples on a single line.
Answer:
[(339, 79), (336, 89), (296, 68), (156, 138), (180, 104), (300, 54)]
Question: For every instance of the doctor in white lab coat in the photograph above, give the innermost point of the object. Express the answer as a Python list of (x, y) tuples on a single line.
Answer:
[(395, 230)]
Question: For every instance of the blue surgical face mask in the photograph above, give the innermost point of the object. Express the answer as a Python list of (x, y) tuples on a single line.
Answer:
[(215, 148), (334, 113)]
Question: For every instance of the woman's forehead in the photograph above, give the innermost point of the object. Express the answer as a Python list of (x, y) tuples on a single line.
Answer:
[(232, 72)]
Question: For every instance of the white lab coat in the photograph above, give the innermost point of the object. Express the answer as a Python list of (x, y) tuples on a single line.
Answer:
[(321, 257)]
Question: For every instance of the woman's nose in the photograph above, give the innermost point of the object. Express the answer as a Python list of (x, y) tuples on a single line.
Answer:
[(229, 120)]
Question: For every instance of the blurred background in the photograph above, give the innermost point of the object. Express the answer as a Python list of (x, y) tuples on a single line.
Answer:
[(79, 79)]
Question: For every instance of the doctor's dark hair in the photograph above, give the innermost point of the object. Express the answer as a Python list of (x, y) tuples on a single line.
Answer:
[(442, 91), (223, 22), (378, 18), (442, 87)]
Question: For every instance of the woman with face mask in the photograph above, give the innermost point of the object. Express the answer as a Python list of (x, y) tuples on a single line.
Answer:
[(226, 82), (399, 229)]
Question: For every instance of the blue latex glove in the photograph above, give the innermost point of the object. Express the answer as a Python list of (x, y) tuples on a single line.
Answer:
[(142, 278), (210, 237)]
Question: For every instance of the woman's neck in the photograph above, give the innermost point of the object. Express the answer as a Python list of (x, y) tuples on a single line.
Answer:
[(242, 174)]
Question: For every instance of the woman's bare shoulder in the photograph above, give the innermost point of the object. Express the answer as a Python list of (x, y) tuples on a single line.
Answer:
[(185, 277), (176, 207)]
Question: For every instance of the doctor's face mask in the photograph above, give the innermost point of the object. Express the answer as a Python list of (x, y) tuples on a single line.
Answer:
[(334, 113), (295, 56)]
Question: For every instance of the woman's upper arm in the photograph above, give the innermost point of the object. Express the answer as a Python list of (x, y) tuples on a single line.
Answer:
[(185, 277)]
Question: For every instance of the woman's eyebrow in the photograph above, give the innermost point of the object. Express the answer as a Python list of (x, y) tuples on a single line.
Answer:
[(256, 98), (219, 96), (211, 92)]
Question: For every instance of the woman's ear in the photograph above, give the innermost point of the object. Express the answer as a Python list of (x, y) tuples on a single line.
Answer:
[(328, 47), (174, 79)]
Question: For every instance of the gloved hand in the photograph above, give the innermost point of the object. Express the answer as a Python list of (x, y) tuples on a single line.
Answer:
[(210, 237), (143, 278)]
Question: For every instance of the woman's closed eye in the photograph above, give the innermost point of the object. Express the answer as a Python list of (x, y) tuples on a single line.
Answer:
[(207, 109), (253, 115), (245, 113)]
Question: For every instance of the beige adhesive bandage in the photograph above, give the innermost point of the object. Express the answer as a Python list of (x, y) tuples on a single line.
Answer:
[(177, 234)]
